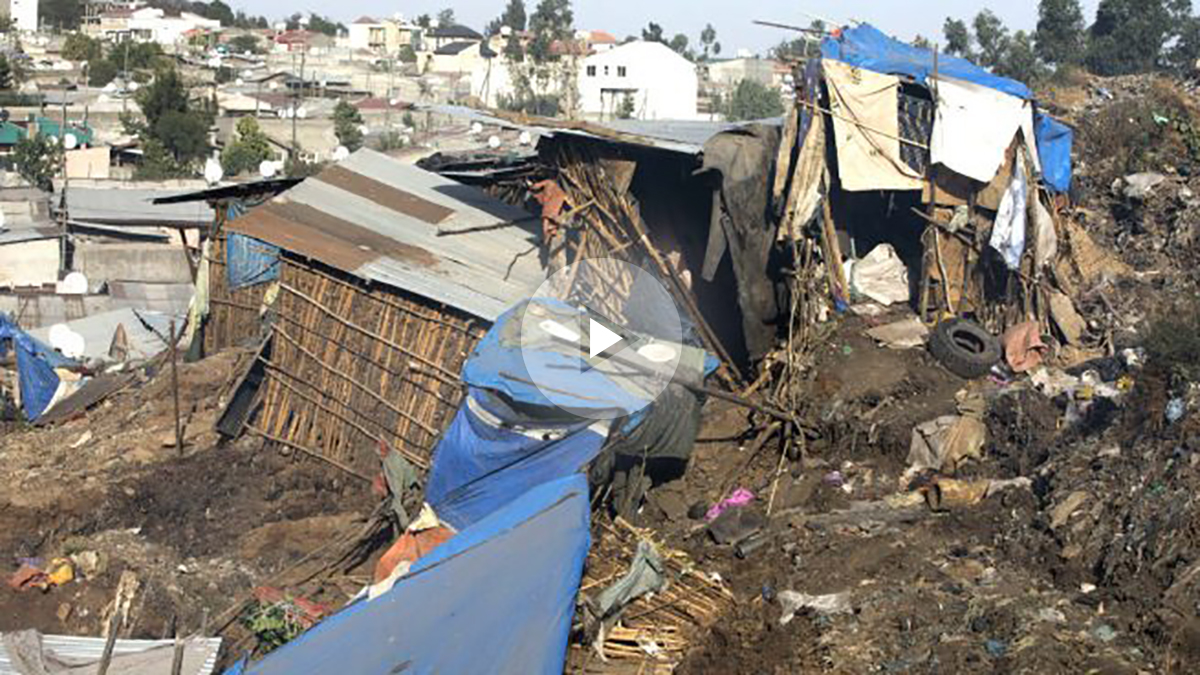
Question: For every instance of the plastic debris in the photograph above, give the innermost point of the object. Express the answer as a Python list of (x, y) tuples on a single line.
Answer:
[(1175, 409), (831, 603), (740, 497)]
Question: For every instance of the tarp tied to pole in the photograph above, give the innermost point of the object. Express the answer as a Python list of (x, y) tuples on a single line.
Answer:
[(1054, 141), (867, 47), (496, 598)]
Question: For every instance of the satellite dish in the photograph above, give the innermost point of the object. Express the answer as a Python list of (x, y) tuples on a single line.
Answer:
[(213, 173), (110, 87), (67, 341), (134, 86), (302, 112), (476, 128), (394, 102), (70, 141), (340, 153), (267, 168), (525, 138), (239, 82), (74, 283), (364, 129), (493, 142)]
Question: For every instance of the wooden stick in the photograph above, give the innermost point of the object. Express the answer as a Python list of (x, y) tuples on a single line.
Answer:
[(866, 127), (110, 642), (175, 390)]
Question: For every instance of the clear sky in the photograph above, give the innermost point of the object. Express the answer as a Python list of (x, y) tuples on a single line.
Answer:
[(732, 19)]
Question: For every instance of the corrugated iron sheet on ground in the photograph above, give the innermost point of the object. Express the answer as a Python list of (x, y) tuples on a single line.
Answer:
[(90, 649)]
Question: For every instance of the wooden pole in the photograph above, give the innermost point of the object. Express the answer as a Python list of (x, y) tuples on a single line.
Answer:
[(110, 643), (177, 657), (175, 389)]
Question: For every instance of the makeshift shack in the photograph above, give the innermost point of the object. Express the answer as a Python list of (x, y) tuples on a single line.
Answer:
[(367, 285)]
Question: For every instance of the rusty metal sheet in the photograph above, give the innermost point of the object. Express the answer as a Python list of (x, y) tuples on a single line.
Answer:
[(385, 195)]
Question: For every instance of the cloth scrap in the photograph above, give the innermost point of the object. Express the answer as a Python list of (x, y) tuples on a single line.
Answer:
[(830, 603), (880, 275), (975, 126), (866, 129), (646, 575), (1023, 346), (1008, 233)]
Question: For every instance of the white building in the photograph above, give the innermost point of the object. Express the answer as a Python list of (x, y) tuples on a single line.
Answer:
[(658, 82), (23, 12), (150, 24)]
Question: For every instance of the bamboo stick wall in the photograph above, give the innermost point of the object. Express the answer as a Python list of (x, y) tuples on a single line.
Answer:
[(350, 365)]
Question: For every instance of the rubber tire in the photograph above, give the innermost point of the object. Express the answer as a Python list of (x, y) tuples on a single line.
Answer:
[(947, 346)]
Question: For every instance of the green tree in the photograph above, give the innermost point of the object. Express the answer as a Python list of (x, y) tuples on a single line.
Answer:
[(424, 21), (1021, 60), (8, 78), (407, 54), (347, 123), (171, 120), (627, 108), (246, 44), (446, 17), (958, 38), (922, 42), (752, 100), (514, 15), (1128, 36), (79, 47), (1060, 38), (992, 37), (552, 20), (1184, 54), (708, 42), (679, 44), (101, 72), (249, 150), (653, 33), (325, 25), (37, 159), (62, 14)]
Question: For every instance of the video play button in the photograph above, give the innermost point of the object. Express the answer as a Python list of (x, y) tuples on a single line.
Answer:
[(600, 338)]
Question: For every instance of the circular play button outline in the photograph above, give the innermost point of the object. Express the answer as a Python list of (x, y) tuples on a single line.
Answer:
[(596, 366)]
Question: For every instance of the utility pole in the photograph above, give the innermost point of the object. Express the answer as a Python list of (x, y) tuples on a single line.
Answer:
[(125, 78)]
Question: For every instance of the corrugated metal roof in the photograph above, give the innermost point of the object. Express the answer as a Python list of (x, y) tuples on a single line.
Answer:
[(21, 235), (98, 330), (396, 224), (134, 207), (89, 649), (683, 136)]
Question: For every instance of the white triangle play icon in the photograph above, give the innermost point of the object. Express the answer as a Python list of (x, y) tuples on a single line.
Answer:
[(600, 338)]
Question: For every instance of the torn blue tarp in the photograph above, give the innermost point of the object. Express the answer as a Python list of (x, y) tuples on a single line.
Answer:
[(496, 598), (250, 261), (1054, 141), (866, 47), (485, 460), (35, 367)]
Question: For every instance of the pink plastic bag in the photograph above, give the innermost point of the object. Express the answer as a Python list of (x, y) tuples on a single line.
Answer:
[(740, 497)]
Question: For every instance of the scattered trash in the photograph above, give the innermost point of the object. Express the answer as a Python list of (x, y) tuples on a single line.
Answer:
[(944, 443), (996, 648), (697, 511), (793, 602), (645, 576), (834, 479), (751, 544), (1023, 346), (1104, 633), (880, 275), (32, 575), (1086, 588), (1069, 323), (1062, 512), (82, 440), (942, 494), (905, 334), (1175, 410), (1139, 186), (964, 348), (739, 497), (735, 525), (1051, 615)]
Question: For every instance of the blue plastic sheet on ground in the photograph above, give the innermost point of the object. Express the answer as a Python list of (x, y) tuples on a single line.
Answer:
[(250, 261), (496, 598), (35, 367), (1054, 141), (479, 465), (866, 47)]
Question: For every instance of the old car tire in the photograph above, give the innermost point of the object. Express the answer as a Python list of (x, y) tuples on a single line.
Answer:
[(964, 348)]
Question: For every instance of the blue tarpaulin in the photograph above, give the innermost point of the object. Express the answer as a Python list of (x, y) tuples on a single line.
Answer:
[(866, 47), (481, 463), (35, 368), (1054, 141), (250, 261), (496, 598)]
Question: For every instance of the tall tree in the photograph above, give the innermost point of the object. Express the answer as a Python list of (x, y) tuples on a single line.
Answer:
[(708, 42), (1128, 35), (347, 125), (958, 37), (1021, 60), (922, 42), (653, 33), (552, 20), (992, 37), (173, 124), (679, 44), (514, 15), (1059, 38), (446, 17), (752, 100)]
